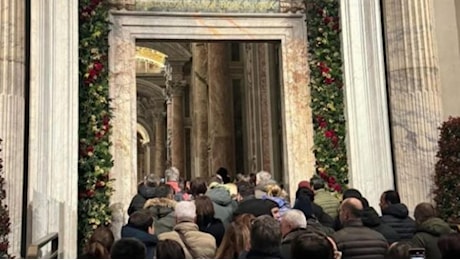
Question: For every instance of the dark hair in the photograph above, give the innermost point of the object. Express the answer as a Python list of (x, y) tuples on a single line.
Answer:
[(245, 189), (352, 193), (310, 245), (304, 204), (398, 250), (365, 203), (391, 196), (128, 248), (163, 191), (152, 180), (99, 244), (204, 210), (424, 211), (252, 178), (169, 249), (141, 220), (215, 178), (198, 186), (449, 245), (317, 183), (305, 192), (224, 174), (265, 234)]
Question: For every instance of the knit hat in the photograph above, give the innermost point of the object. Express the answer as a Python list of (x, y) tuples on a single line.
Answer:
[(304, 184)]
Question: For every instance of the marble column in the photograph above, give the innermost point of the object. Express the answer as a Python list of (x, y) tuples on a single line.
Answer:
[(414, 90), (368, 131), (220, 109), (200, 98), (53, 123), (175, 124), (160, 143), (12, 19)]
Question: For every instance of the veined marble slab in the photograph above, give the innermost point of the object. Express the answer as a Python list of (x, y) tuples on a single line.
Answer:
[(216, 6)]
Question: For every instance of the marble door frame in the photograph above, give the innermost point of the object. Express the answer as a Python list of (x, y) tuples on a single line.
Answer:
[(288, 29)]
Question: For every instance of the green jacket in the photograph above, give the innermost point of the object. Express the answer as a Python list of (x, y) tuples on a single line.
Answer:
[(427, 235), (327, 201)]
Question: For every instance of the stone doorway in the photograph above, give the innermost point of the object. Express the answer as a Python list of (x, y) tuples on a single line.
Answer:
[(289, 30)]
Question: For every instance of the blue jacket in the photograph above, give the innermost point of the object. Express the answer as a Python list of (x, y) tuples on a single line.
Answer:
[(150, 241)]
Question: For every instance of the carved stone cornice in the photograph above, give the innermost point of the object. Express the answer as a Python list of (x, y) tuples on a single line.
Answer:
[(292, 6)]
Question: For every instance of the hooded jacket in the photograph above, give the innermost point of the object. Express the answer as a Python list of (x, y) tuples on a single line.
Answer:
[(150, 241), (371, 220), (283, 205), (397, 216), (223, 204), (144, 193), (162, 210), (427, 235)]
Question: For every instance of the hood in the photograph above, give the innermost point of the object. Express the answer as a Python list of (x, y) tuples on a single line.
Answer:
[(146, 191), (435, 226), (280, 201), (160, 207), (256, 207), (146, 238), (398, 210), (370, 217), (219, 195)]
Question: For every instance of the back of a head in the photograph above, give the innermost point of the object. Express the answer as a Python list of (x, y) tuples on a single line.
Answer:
[(152, 180), (273, 190), (164, 191), (141, 220), (172, 174), (263, 177), (185, 211), (449, 245), (198, 186), (204, 208), (353, 206), (304, 204), (392, 197), (295, 218), (311, 245), (398, 250), (317, 183), (305, 192), (223, 172), (245, 189), (352, 193), (100, 243), (128, 248), (424, 211), (169, 249), (265, 234)]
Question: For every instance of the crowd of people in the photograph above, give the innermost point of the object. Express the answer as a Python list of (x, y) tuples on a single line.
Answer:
[(251, 217)]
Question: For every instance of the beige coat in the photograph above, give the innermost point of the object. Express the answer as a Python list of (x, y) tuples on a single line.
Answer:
[(202, 245)]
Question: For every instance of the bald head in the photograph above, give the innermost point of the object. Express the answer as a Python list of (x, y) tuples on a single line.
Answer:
[(350, 209)]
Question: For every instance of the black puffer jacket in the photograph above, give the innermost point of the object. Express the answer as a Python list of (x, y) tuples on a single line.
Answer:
[(144, 193), (371, 220), (397, 216), (358, 241)]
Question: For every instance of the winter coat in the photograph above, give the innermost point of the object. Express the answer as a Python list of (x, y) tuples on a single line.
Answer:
[(358, 241), (314, 224), (223, 204), (144, 193), (327, 201), (283, 205), (397, 216), (322, 216), (162, 210), (150, 241), (213, 226), (196, 244), (371, 220), (427, 235), (256, 207), (287, 240)]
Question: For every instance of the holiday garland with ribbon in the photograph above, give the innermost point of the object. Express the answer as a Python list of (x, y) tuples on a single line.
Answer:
[(95, 160), (327, 96)]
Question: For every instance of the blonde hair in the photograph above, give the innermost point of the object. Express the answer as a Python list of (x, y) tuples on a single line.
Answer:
[(274, 190), (232, 189)]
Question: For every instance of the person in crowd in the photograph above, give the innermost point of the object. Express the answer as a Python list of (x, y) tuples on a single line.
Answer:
[(128, 248), (169, 249), (162, 209), (172, 176), (253, 179), (237, 238), (196, 244), (304, 189), (223, 172), (324, 198), (263, 178), (355, 240), (292, 224), (99, 244), (242, 177), (245, 190), (449, 245), (198, 187), (311, 245), (429, 228), (372, 220), (396, 214), (233, 190), (145, 191), (224, 206), (304, 204), (265, 239), (349, 193), (398, 250), (140, 226), (205, 219), (274, 194), (257, 207)]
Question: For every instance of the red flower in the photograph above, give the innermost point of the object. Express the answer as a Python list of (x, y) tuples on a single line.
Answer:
[(100, 134), (90, 149), (327, 19), (100, 184), (323, 175), (105, 120), (98, 66), (329, 81), (329, 134), (331, 180), (325, 69), (322, 124), (90, 193), (335, 141), (337, 187)]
